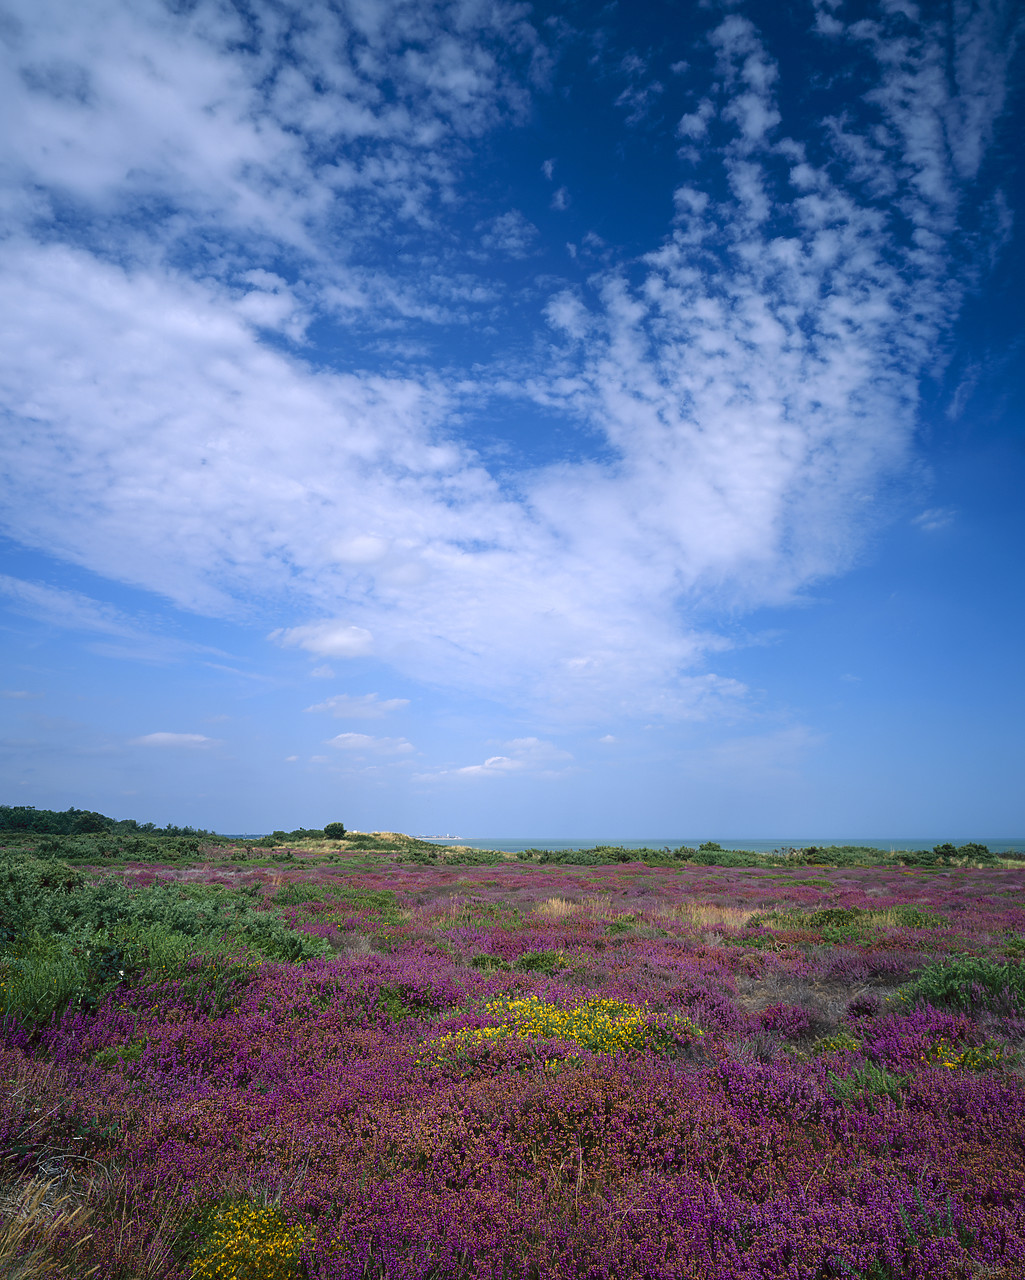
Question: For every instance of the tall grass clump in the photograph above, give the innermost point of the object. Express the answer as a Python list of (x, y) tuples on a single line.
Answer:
[(40, 1234)]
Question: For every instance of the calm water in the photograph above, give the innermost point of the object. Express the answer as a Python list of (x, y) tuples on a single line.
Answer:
[(515, 843)]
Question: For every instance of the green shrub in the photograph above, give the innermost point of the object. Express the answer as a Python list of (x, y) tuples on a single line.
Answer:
[(910, 917), (297, 892), (972, 984), (839, 1042), (68, 941), (833, 917), (546, 962), (473, 858)]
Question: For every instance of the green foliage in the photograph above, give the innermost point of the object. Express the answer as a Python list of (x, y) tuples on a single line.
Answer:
[(910, 917), (78, 822), (840, 1042), (990, 1056), (381, 902), (67, 940), (546, 962), (489, 964), (572, 857), (50, 822), (423, 857), (946, 855), (334, 830), (115, 1054), (297, 892), (726, 858), (842, 917), (600, 855), (475, 858), (970, 984), (399, 1001), (866, 1083)]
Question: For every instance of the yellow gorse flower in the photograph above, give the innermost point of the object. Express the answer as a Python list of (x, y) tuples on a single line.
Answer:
[(974, 1058), (603, 1026), (249, 1242)]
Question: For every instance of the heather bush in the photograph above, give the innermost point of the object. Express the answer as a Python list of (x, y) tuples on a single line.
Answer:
[(585, 1070)]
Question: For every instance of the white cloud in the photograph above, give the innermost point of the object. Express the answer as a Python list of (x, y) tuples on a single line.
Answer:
[(511, 233), (367, 706), (525, 757), (364, 744), (173, 433), (189, 740), (638, 100), (608, 738), (323, 672), (934, 518), (694, 124), (112, 633), (332, 639), (67, 609), (18, 694)]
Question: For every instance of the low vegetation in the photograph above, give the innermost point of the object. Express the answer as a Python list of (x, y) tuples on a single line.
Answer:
[(335, 1055)]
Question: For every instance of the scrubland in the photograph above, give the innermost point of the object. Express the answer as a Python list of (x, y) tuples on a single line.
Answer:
[(363, 1058)]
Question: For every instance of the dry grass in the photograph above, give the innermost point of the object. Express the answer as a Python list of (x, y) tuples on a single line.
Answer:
[(707, 915), (563, 908), (700, 915), (37, 1222), (557, 908)]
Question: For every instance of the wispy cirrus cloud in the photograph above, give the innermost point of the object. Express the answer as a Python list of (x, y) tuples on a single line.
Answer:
[(366, 706), (188, 741), (365, 744)]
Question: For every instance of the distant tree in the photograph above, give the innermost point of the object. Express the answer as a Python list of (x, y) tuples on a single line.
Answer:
[(334, 830), (87, 823)]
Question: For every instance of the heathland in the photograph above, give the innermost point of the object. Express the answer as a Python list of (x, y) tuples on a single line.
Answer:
[(336, 1056)]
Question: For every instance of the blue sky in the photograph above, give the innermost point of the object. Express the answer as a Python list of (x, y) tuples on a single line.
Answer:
[(580, 419)]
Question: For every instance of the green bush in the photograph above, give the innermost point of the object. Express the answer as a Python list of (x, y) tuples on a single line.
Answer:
[(66, 940), (972, 984), (334, 830), (910, 917), (546, 962)]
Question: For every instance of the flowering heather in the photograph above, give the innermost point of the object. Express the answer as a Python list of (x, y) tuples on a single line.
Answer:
[(544, 1072)]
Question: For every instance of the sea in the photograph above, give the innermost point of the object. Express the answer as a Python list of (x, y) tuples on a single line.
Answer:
[(514, 844)]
